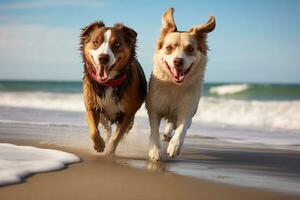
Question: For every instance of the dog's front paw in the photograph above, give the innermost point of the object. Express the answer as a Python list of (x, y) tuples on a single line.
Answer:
[(154, 153), (110, 150), (109, 154), (174, 147), (99, 144)]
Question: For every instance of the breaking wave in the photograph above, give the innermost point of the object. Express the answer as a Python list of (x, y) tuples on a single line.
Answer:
[(267, 114), (229, 89), (43, 100), (252, 113)]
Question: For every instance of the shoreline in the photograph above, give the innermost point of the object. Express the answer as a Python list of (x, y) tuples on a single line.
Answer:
[(97, 176), (208, 158)]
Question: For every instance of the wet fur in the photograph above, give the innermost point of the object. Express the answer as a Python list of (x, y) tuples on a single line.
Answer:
[(112, 105), (177, 103)]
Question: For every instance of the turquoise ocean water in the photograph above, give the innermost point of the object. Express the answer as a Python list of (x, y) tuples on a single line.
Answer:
[(245, 91)]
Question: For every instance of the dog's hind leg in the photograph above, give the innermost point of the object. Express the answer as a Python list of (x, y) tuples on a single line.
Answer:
[(106, 126), (154, 146), (177, 140), (122, 127), (167, 135), (93, 118)]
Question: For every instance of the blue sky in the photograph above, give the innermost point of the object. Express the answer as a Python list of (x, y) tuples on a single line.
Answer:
[(254, 41)]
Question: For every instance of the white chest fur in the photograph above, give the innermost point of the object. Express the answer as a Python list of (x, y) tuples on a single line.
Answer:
[(109, 105)]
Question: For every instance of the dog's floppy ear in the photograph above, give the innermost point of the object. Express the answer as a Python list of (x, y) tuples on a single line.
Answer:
[(168, 25), (88, 29), (130, 34), (201, 31)]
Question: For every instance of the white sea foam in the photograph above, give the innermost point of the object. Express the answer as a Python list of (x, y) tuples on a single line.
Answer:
[(264, 114), (43, 100), (17, 162), (228, 89), (282, 139)]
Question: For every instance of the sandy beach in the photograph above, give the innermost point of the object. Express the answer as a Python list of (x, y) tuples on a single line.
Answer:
[(98, 177)]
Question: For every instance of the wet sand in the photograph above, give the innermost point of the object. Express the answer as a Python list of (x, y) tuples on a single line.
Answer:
[(98, 177)]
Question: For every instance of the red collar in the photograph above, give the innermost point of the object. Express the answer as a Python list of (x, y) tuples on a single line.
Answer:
[(108, 83)]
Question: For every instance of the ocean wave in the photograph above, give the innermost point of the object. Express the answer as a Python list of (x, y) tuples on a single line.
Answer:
[(43, 100), (265, 114), (229, 89)]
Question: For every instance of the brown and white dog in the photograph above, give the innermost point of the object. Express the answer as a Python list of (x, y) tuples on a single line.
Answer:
[(114, 84), (176, 82)]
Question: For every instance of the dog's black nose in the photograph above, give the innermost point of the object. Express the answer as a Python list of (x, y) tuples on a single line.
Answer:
[(178, 62), (104, 59)]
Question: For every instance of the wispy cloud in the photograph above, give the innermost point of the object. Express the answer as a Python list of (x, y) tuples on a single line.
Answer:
[(48, 3), (31, 45), (37, 43), (42, 49), (23, 19)]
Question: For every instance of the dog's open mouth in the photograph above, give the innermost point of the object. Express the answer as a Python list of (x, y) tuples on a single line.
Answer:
[(101, 72), (178, 74)]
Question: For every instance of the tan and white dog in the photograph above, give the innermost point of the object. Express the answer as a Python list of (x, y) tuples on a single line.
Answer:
[(176, 82)]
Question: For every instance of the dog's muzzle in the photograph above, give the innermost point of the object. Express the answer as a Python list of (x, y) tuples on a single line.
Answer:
[(178, 73)]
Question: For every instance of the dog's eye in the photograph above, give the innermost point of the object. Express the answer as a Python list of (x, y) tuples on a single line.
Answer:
[(190, 49), (95, 42), (169, 48), (117, 45)]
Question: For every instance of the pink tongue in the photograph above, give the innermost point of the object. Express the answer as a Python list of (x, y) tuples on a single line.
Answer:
[(178, 73), (101, 72)]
